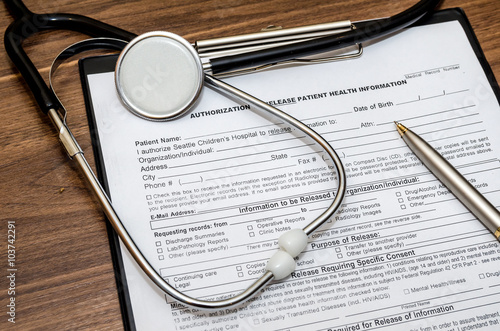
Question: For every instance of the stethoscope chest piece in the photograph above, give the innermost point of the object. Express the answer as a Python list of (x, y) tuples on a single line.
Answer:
[(159, 76)]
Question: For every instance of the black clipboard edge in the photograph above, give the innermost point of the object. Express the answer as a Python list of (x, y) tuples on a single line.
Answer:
[(101, 64), (88, 66)]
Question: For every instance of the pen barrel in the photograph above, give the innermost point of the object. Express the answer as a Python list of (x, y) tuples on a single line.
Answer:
[(467, 194)]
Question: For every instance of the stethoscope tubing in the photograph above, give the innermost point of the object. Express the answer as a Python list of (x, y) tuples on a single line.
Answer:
[(341, 177), (28, 23), (74, 151)]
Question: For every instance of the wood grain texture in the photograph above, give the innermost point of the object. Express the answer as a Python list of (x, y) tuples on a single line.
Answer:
[(65, 278)]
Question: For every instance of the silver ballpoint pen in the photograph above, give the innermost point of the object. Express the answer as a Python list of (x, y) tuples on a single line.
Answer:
[(453, 180)]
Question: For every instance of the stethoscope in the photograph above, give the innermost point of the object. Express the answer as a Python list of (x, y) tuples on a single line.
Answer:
[(168, 99)]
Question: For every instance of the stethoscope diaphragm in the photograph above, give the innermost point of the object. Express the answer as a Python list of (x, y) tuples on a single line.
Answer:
[(159, 76)]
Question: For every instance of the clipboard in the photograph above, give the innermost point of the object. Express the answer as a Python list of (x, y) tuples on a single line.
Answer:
[(89, 66), (103, 64)]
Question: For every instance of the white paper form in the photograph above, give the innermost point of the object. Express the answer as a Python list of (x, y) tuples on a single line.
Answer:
[(207, 196)]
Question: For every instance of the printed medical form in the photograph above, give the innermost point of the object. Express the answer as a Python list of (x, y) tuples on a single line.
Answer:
[(207, 196)]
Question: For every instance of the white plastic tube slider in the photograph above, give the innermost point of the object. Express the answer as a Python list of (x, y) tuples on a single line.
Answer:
[(291, 244)]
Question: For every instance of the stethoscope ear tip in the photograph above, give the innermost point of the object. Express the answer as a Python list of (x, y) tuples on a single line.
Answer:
[(159, 76)]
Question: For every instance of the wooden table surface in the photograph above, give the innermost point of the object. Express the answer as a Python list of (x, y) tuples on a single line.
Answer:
[(65, 278)]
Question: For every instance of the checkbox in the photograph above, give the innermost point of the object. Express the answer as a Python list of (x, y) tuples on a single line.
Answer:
[(161, 257), (149, 197), (337, 249), (159, 250), (406, 291), (256, 321), (398, 194), (401, 200), (251, 234), (158, 243), (249, 227), (339, 256), (240, 274), (403, 206), (238, 268), (481, 276)]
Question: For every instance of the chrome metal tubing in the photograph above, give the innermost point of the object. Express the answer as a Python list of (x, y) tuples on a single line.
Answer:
[(341, 190)]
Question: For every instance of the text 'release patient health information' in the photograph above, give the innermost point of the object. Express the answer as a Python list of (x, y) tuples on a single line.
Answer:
[(206, 197)]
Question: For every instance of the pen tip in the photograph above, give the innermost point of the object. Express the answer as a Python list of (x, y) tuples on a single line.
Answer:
[(401, 128)]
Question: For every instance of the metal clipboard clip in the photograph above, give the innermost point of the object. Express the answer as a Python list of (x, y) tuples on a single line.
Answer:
[(275, 36)]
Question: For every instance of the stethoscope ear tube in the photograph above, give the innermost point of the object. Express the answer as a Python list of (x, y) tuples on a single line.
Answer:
[(43, 96), (109, 44)]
